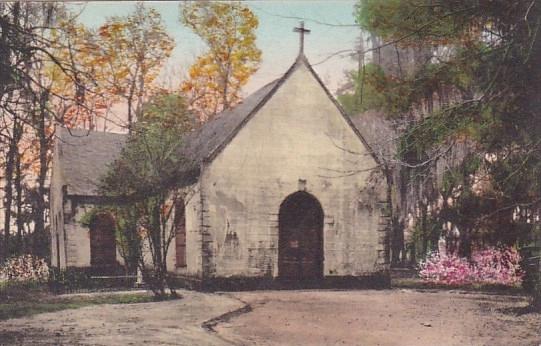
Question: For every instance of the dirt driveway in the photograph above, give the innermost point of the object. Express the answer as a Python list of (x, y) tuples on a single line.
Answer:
[(175, 322), (367, 317), (391, 317)]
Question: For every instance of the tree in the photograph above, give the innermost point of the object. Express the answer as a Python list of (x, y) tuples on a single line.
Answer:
[(132, 51), (372, 96), (57, 82), (367, 94), (490, 52), (80, 102), (485, 57), (32, 45), (23, 47), (216, 78), (16, 40), (144, 178), (169, 109)]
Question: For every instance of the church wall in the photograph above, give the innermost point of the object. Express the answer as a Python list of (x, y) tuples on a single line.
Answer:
[(192, 210), (77, 245), (193, 236), (194, 261), (57, 231), (293, 143), (78, 239), (56, 212)]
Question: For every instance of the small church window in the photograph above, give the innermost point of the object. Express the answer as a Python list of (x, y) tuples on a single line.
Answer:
[(180, 233)]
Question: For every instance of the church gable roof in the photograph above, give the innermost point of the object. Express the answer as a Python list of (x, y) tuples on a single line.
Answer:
[(203, 142), (85, 157), (209, 141)]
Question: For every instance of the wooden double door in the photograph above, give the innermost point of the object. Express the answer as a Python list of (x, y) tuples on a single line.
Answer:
[(300, 252)]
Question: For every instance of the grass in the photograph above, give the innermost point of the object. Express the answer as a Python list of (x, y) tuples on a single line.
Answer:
[(34, 300)]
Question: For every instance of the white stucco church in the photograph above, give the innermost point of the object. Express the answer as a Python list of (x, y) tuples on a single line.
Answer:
[(284, 188)]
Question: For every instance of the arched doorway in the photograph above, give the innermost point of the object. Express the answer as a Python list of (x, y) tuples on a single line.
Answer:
[(103, 242), (300, 248)]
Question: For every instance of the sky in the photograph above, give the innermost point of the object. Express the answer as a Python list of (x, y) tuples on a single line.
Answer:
[(275, 36)]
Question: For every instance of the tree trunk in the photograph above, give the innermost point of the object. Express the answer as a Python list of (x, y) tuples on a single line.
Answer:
[(225, 91), (8, 196), (130, 116), (130, 100), (226, 101), (11, 159), (19, 205), (396, 239), (39, 246)]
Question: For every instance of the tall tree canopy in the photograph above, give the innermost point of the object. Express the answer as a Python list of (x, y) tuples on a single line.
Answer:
[(74, 45), (216, 78), (36, 59), (133, 49), (481, 61)]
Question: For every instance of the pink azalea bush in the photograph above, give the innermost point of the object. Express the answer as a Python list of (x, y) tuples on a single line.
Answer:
[(443, 269), (24, 268), (487, 266), (497, 266)]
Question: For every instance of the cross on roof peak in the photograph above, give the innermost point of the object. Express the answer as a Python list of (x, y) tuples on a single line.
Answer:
[(301, 30)]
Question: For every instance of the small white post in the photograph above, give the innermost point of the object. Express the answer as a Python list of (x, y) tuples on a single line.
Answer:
[(139, 281)]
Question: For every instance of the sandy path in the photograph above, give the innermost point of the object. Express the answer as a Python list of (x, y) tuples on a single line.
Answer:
[(366, 317), (175, 322), (391, 317)]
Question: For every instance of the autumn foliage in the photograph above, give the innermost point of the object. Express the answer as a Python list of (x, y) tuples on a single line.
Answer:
[(132, 52), (216, 78)]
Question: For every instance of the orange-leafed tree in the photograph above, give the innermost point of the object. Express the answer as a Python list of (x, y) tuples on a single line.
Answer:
[(78, 102), (216, 78), (42, 77), (132, 50)]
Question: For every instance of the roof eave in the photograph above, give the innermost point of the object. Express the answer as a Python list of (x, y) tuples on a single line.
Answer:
[(261, 103)]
